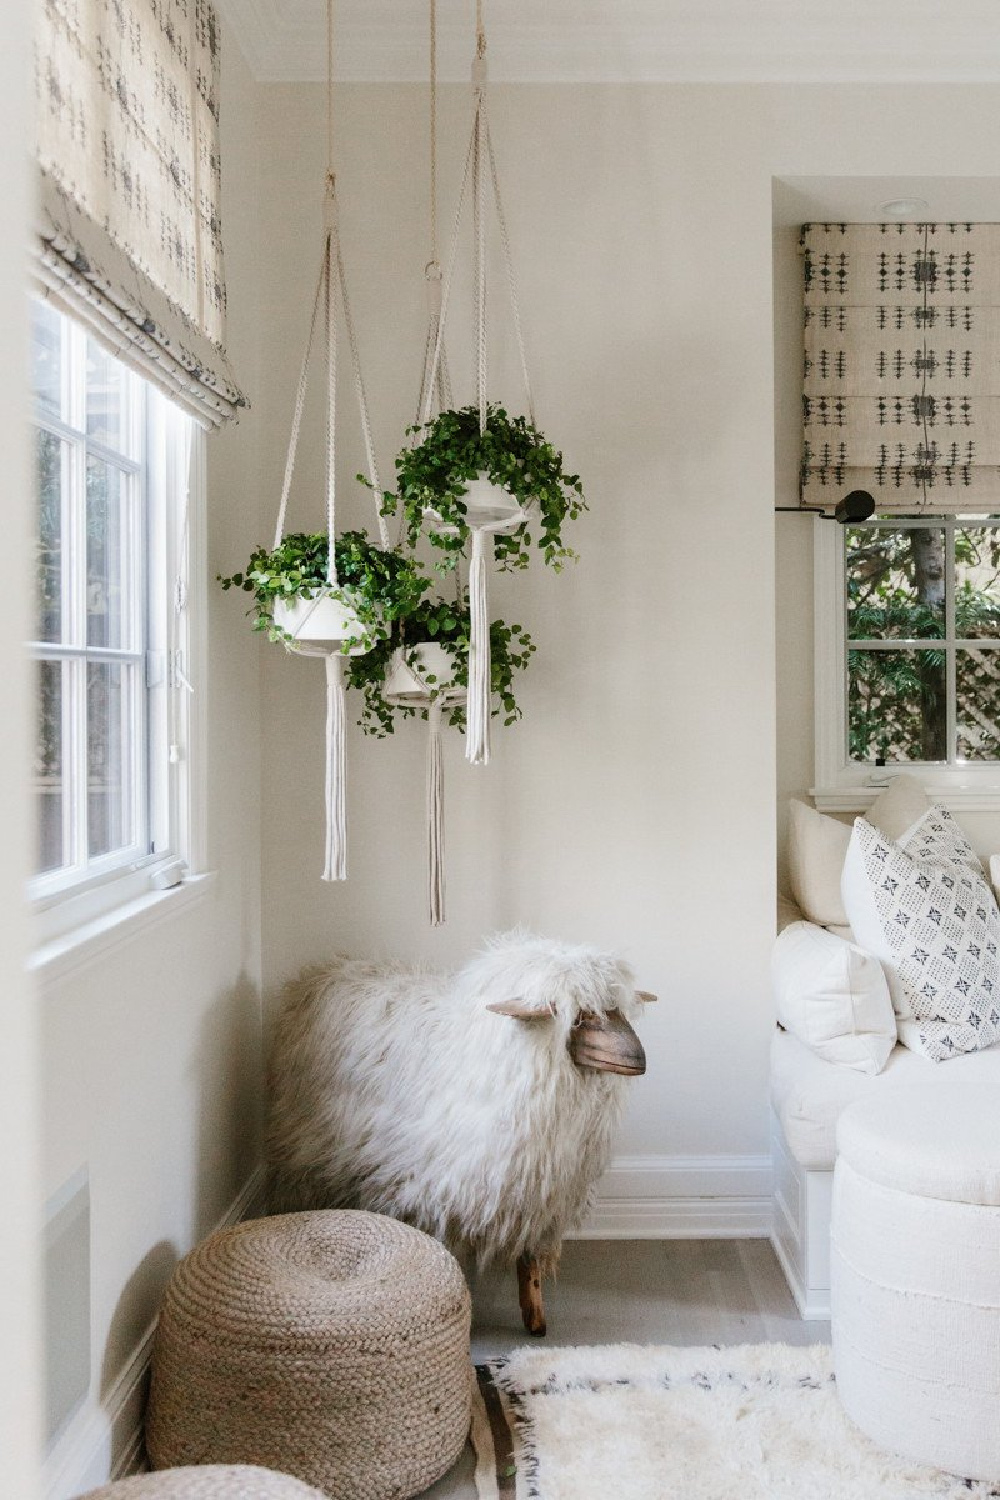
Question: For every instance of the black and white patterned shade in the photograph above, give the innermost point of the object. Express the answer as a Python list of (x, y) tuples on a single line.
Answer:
[(129, 203), (901, 391)]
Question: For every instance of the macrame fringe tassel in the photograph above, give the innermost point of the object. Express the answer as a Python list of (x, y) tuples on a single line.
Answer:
[(336, 802), (435, 818), (477, 706)]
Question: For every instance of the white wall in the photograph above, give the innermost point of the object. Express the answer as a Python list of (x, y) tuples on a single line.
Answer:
[(635, 805), (151, 1054), (19, 1304)]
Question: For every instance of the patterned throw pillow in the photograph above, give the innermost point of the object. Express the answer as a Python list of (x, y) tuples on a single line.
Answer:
[(923, 907)]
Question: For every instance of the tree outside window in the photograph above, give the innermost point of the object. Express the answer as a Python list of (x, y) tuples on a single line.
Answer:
[(923, 632)]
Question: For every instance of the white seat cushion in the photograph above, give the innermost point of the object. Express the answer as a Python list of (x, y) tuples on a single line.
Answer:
[(937, 1140), (809, 1095)]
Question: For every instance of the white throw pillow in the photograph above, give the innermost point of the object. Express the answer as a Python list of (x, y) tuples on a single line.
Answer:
[(817, 848), (833, 996), (922, 905), (899, 806)]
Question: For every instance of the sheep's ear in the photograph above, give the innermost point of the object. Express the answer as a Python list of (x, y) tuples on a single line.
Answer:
[(520, 1010), (646, 997)]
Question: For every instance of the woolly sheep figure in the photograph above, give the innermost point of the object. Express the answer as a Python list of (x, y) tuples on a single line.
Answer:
[(479, 1106)]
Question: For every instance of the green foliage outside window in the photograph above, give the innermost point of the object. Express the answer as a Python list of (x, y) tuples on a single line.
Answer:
[(897, 590)]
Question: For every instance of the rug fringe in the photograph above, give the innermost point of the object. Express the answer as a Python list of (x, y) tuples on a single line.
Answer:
[(481, 1436)]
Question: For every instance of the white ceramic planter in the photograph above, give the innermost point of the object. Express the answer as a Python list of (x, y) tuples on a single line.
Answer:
[(408, 681), (322, 620), (489, 507)]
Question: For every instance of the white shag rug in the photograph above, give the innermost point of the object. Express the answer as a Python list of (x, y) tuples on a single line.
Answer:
[(627, 1422)]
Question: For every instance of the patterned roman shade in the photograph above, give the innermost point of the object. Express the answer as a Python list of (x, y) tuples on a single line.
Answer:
[(130, 237), (902, 365)]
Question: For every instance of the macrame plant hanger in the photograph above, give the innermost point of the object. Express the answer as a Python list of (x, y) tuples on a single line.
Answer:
[(490, 510), (435, 378), (437, 383), (326, 625), (407, 685)]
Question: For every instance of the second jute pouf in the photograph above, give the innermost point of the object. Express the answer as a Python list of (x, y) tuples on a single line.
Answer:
[(915, 1289), (208, 1482), (333, 1346)]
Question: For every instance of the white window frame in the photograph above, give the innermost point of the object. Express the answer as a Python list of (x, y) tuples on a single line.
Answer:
[(843, 785), (167, 777)]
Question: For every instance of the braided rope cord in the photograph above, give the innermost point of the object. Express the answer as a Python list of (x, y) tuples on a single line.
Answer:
[(480, 156), (441, 382), (331, 393), (331, 283)]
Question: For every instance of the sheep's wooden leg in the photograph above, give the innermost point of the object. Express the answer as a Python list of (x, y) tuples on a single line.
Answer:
[(529, 1294)]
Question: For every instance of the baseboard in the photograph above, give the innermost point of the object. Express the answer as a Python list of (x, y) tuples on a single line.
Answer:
[(812, 1306), (104, 1439), (682, 1197)]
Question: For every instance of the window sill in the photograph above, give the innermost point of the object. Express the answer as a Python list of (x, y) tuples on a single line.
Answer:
[(95, 939), (858, 799)]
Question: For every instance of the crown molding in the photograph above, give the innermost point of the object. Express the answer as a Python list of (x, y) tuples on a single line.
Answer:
[(631, 41)]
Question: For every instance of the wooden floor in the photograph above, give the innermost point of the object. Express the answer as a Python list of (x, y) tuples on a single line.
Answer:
[(642, 1292)]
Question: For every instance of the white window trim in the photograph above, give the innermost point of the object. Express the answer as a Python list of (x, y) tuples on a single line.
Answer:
[(129, 459), (842, 786), (78, 923), (91, 941)]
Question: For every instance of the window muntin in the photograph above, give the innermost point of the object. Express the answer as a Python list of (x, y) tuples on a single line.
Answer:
[(922, 642)]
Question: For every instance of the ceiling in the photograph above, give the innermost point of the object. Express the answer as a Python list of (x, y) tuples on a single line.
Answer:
[(630, 40), (860, 200)]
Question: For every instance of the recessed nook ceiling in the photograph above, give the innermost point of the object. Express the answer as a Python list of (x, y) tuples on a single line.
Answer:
[(858, 200), (696, 41)]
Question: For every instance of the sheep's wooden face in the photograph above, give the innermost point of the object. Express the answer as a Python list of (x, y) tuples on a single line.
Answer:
[(606, 1044), (598, 1042)]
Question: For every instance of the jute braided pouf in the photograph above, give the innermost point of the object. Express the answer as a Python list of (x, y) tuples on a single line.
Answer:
[(333, 1346), (208, 1482)]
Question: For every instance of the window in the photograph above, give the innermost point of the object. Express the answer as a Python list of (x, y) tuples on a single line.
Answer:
[(111, 635), (908, 652)]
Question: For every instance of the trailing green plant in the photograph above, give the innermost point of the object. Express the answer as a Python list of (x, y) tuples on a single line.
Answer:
[(381, 586), (435, 473), (447, 624), (387, 589)]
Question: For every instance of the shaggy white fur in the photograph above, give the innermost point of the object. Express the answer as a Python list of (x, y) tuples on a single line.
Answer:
[(395, 1089), (752, 1423)]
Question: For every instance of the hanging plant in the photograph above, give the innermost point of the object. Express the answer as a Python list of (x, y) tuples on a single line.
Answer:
[(378, 586), (433, 478), (436, 623)]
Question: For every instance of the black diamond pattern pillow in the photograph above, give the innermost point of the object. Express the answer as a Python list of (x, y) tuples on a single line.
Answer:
[(923, 907)]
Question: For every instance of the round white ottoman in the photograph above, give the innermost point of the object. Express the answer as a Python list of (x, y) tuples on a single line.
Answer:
[(915, 1274)]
